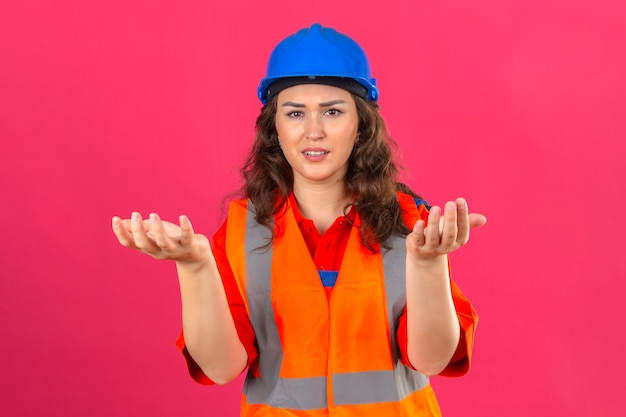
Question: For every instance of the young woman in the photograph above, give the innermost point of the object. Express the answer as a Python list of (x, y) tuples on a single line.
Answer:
[(328, 280)]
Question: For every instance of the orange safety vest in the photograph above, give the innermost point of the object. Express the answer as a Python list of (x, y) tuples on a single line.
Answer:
[(320, 357)]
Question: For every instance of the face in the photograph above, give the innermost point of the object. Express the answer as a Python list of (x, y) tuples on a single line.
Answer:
[(317, 126)]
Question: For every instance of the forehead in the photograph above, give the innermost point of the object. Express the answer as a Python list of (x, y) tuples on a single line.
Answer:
[(314, 93)]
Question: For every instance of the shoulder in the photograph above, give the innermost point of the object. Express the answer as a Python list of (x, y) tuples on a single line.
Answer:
[(237, 208), (239, 203), (235, 223), (413, 208)]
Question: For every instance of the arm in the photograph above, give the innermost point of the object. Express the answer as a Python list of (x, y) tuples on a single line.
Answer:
[(459, 364), (210, 334), (432, 323)]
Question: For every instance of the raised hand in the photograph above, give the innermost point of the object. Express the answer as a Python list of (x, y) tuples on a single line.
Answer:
[(162, 239), (444, 233)]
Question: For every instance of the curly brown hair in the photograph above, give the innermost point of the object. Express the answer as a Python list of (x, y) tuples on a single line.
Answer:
[(370, 178)]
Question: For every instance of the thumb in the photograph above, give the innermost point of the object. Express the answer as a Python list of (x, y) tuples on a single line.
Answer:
[(477, 220)]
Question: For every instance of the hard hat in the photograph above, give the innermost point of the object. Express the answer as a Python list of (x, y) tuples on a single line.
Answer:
[(318, 55)]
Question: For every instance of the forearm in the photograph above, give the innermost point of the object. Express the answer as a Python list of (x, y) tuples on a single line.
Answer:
[(432, 324), (210, 333)]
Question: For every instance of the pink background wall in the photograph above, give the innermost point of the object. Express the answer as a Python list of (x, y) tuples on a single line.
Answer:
[(113, 106)]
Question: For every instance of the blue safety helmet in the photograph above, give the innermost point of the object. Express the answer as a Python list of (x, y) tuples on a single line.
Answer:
[(318, 55)]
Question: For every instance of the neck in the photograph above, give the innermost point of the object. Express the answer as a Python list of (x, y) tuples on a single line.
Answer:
[(322, 203)]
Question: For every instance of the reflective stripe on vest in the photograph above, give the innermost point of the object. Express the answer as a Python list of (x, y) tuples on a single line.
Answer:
[(311, 393)]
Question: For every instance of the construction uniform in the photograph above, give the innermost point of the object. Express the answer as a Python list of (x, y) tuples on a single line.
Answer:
[(325, 342)]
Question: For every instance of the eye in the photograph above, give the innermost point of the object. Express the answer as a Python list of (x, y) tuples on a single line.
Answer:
[(294, 114), (333, 112)]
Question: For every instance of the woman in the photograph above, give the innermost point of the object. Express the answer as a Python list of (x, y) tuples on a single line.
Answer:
[(326, 280)]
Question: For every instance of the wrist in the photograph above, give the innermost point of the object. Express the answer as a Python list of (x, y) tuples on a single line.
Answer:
[(429, 263), (195, 266)]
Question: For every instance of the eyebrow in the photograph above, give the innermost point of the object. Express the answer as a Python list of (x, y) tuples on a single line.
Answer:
[(325, 104)]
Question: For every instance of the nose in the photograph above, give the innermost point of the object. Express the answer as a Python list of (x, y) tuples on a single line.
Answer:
[(314, 127)]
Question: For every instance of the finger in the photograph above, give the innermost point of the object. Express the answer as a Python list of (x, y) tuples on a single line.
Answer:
[(147, 226), (477, 220), (160, 236), (417, 235), (139, 234), (463, 222), (431, 234), (450, 228), (186, 231), (121, 233)]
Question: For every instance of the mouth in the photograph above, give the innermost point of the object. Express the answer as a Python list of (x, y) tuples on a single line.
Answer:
[(315, 153)]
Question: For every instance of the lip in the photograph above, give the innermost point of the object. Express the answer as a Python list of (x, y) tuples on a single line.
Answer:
[(315, 154)]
